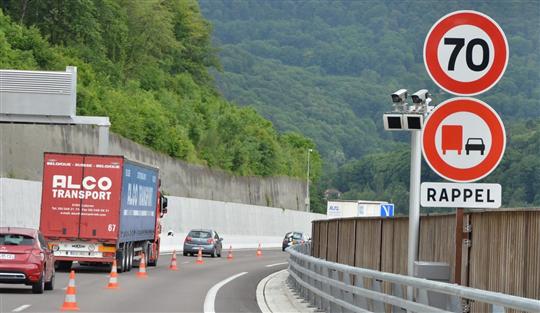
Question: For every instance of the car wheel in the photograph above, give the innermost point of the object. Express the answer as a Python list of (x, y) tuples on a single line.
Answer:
[(50, 284), (184, 253), (39, 286), (213, 253)]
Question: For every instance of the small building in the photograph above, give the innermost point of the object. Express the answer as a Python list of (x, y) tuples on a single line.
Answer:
[(353, 208)]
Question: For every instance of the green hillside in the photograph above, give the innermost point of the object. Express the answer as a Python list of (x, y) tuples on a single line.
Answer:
[(326, 69), (145, 64)]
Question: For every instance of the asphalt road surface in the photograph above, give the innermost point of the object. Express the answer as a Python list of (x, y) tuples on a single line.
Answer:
[(233, 283)]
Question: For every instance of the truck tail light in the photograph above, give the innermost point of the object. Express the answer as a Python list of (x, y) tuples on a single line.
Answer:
[(188, 239), (108, 254), (210, 240)]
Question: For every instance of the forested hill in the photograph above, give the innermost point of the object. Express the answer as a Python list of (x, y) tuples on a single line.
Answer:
[(145, 65), (326, 68)]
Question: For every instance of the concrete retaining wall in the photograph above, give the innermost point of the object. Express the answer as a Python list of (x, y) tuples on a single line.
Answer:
[(241, 225), (21, 156)]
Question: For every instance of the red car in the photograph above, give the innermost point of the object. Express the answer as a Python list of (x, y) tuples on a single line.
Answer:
[(26, 259)]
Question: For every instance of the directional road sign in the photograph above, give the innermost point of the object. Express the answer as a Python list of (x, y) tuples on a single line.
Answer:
[(387, 209), (466, 53), (463, 139)]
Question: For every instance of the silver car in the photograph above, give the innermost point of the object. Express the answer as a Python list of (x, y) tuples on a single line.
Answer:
[(206, 239)]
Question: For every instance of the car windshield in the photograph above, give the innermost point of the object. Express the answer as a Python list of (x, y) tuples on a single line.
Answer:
[(297, 236), (199, 234), (474, 141), (16, 240)]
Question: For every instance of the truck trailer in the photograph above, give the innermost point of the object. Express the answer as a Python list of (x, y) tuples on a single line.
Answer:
[(101, 208)]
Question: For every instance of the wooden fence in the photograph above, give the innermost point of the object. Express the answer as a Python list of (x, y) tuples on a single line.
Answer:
[(502, 252)]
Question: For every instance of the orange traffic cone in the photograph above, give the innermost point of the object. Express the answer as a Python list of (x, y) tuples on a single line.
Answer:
[(173, 267), (259, 250), (199, 257), (142, 267), (70, 301), (230, 256), (113, 278)]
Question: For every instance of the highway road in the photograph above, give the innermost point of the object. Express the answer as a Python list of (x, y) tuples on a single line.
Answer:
[(192, 288)]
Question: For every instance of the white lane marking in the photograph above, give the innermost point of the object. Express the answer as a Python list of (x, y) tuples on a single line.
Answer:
[(22, 307), (276, 264), (185, 262), (210, 299)]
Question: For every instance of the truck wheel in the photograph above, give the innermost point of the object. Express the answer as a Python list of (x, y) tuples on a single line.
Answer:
[(156, 257), (120, 261), (39, 286), (63, 265), (130, 258)]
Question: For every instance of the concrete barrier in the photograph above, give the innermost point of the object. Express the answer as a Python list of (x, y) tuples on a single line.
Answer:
[(241, 225), (21, 157)]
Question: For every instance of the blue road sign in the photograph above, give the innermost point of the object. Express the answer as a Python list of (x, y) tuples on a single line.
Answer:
[(387, 210)]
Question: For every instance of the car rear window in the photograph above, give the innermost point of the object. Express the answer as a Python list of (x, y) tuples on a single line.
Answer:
[(199, 234), (297, 236), (16, 240)]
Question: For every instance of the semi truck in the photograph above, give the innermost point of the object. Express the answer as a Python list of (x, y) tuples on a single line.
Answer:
[(101, 208)]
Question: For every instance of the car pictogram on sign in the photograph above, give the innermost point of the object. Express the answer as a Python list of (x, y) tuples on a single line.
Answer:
[(475, 144), (466, 52)]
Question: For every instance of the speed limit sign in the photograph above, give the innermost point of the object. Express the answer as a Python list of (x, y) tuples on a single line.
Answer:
[(466, 53)]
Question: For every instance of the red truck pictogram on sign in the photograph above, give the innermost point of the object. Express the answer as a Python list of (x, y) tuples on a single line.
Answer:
[(452, 138)]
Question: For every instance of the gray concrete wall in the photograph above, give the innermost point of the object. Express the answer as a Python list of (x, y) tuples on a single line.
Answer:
[(21, 156), (241, 225)]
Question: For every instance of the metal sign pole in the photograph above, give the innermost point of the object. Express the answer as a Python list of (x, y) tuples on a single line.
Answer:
[(414, 200)]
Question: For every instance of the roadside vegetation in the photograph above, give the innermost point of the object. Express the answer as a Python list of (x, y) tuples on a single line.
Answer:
[(145, 65)]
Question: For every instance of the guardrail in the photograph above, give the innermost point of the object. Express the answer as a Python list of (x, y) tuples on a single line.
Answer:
[(335, 287)]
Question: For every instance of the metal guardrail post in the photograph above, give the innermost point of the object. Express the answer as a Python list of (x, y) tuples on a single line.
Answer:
[(348, 296), (377, 305), (326, 289), (319, 285), (358, 299), (397, 290)]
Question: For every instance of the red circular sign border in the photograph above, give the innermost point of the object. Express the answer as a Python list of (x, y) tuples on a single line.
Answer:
[(492, 29), (490, 162)]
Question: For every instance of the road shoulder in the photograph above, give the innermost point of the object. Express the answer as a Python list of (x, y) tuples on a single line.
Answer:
[(274, 295)]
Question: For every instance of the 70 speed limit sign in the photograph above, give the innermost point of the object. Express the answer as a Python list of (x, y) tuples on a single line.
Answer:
[(466, 53)]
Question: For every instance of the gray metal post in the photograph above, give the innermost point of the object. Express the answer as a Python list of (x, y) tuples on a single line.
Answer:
[(307, 181), (414, 202)]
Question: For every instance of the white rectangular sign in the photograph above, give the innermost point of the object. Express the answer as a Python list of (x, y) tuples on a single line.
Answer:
[(459, 195)]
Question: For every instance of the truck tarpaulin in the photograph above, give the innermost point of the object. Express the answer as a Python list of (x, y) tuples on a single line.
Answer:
[(138, 208)]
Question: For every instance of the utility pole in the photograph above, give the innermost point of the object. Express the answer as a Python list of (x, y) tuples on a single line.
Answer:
[(307, 181)]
